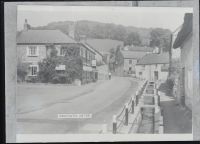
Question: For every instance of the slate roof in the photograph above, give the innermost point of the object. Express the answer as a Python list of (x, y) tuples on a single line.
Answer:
[(43, 37), (133, 54), (139, 48), (154, 59), (104, 45), (90, 47), (185, 30)]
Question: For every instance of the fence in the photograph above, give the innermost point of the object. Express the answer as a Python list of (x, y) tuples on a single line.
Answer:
[(122, 117)]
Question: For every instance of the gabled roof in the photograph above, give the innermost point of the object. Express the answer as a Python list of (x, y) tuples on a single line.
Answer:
[(90, 47), (139, 48), (185, 30), (133, 54), (43, 37), (154, 59), (104, 45)]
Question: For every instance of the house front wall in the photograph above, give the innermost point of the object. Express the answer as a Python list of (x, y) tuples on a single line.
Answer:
[(148, 72), (128, 65), (187, 64), (24, 57), (99, 58)]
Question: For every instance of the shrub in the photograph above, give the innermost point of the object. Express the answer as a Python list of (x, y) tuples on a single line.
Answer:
[(33, 79), (47, 70), (170, 83), (22, 71)]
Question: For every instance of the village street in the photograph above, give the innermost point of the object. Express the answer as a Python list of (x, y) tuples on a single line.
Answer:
[(39, 105)]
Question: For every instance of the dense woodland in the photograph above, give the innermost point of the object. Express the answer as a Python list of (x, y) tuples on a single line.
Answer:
[(129, 35)]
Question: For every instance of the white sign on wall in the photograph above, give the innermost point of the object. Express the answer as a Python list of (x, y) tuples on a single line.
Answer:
[(86, 68), (60, 67), (94, 63)]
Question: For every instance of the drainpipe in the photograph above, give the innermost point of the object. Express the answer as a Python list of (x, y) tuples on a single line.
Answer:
[(170, 49), (170, 55)]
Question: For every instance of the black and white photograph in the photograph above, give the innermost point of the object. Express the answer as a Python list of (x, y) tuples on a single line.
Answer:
[(104, 70)]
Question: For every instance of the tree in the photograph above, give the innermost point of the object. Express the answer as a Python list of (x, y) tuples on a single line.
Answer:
[(133, 38), (47, 69), (160, 38), (119, 60), (22, 71), (112, 60), (71, 60)]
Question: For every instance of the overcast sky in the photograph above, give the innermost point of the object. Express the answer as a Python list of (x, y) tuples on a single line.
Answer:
[(146, 17)]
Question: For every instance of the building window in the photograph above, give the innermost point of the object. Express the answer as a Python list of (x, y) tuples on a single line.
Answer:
[(62, 51), (32, 51), (130, 61), (81, 51), (84, 53), (33, 70), (143, 67)]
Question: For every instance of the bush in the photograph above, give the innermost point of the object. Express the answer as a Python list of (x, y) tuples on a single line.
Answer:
[(33, 79), (22, 71), (62, 78), (47, 70), (170, 83)]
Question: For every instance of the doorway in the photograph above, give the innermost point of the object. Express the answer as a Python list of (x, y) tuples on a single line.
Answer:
[(155, 75)]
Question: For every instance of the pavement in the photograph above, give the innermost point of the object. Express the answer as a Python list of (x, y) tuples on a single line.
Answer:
[(176, 119), (39, 106)]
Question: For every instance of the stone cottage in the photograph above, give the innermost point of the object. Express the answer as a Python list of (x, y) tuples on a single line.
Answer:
[(184, 41)]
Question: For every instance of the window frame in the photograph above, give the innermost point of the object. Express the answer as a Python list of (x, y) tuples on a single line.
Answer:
[(29, 51), (130, 61), (31, 69), (62, 50)]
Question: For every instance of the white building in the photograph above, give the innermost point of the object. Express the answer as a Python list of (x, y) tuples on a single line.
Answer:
[(153, 67), (184, 43), (130, 60)]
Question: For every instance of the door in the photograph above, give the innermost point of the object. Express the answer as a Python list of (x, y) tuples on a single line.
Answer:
[(155, 75)]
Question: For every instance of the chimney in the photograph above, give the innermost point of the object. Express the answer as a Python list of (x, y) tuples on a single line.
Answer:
[(71, 31), (26, 25)]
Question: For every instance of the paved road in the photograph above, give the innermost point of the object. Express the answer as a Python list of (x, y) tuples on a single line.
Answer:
[(102, 100)]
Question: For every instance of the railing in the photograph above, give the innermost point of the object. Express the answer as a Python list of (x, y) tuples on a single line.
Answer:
[(122, 117)]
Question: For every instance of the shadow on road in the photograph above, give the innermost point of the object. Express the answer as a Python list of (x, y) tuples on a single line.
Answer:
[(165, 89)]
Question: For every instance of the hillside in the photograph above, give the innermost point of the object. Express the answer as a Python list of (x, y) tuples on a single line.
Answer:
[(93, 29)]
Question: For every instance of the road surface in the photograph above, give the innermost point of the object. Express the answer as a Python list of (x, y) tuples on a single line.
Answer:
[(38, 106)]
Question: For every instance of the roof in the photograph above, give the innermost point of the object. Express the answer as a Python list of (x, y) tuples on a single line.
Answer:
[(133, 54), (90, 47), (104, 45), (139, 48), (43, 37), (154, 59), (185, 30)]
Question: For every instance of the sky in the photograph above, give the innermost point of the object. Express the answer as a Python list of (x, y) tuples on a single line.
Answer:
[(145, 17)]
